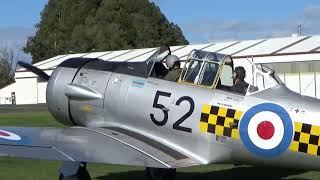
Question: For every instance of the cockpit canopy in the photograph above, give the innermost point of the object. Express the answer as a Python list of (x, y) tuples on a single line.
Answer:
[(216, 71), (202, 67), (212, 70)]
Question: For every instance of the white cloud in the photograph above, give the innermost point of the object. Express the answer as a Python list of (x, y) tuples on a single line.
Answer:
[(312, 12), (310, 19), (222, 30), (212, 30), (15, 38)]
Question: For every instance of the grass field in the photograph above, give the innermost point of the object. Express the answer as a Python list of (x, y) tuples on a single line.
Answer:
[(38, 116)]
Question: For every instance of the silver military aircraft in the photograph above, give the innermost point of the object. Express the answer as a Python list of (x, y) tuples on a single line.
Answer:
[(125, 113)]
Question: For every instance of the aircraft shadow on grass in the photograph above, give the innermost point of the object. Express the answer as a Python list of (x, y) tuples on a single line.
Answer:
[(261, 173)]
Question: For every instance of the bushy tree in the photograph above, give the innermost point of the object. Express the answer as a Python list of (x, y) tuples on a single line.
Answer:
[(6, 66), (102, 25)]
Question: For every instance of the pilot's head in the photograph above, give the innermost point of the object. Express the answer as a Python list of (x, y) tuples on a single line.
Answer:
[(240, 73), (172, 61)]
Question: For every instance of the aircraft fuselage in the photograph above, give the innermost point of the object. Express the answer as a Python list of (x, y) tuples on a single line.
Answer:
[(209, 125)]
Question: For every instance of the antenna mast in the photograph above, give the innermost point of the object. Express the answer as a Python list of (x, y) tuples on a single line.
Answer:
[(299, 29)]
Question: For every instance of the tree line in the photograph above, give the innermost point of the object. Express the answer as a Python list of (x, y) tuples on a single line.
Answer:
[(100, 25), (81, 26), (7, 66)]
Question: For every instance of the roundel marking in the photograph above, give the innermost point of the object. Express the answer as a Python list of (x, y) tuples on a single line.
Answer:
[(266, 130), (4, 134), (265, 142), (9, 135)]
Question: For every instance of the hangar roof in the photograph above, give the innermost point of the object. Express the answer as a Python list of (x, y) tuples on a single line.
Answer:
[(261, 50)]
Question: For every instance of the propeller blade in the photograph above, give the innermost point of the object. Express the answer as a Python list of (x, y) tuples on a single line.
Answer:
[(35, 70)]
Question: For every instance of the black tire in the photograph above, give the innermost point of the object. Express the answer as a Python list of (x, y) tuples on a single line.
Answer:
[(82, 174), (160, 173)]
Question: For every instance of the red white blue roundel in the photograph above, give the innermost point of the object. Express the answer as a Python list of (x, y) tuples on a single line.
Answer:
[(266, 130), (9, 135)]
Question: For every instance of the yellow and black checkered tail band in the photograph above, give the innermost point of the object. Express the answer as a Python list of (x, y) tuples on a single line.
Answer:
[(217, 120), (306, 139)]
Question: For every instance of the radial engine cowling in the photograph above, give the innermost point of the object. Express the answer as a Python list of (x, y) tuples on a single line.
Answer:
[(63, 75)]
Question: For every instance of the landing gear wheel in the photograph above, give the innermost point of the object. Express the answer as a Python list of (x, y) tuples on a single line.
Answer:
[(82, 174), (160, 174)]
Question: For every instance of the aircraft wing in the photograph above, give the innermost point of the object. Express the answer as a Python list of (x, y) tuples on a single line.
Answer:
[(98, 145)]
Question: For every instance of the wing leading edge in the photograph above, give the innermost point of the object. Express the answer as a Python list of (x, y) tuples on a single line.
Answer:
[(99, 145)]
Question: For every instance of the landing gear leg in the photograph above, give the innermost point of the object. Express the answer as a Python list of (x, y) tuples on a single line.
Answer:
[(160, 173), (74, 171)]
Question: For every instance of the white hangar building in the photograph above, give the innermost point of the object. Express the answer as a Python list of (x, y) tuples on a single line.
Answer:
[(296, 59)]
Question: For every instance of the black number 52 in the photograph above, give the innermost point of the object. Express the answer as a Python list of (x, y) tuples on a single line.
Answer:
[(177, 124)]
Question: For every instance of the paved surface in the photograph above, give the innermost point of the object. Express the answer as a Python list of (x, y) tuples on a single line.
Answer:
[(23, 108)]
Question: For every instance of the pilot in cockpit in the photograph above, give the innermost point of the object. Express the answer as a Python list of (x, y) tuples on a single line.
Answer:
[(173, 63), (240, 86)]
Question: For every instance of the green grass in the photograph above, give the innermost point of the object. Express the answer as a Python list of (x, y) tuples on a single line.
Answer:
[(29, 119), (26, 169)]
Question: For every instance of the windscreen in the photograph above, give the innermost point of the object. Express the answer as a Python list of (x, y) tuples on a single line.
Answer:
[(192, 71), (200, 72)]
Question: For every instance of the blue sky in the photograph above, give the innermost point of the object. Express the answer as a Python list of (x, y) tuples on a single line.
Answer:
[(200, 20), (212, 20), (18, 18)]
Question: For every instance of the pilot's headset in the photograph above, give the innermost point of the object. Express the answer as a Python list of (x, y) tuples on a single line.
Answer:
[(240, 72), (172, 60)]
